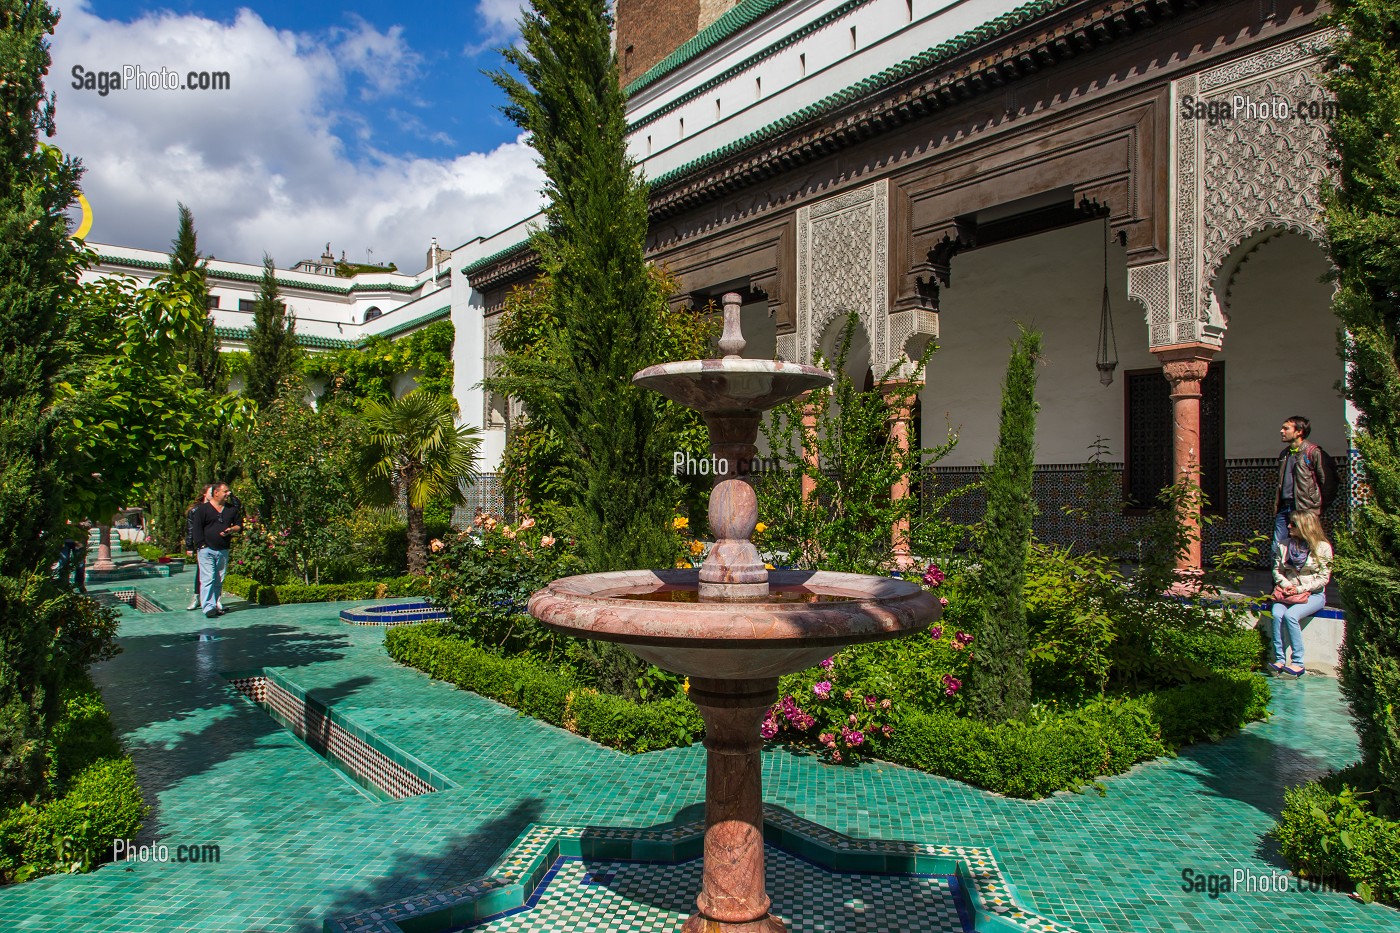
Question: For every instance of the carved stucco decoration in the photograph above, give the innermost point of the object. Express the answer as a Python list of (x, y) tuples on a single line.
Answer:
[(1235, 179), (496, 408), (1150, 285), (842, 266)]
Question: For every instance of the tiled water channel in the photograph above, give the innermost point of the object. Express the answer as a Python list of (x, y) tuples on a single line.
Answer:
[(372, 763)]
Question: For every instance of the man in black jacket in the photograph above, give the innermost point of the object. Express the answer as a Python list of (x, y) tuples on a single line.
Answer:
[(215, 524)]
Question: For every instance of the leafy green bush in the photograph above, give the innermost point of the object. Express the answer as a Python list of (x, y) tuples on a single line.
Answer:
[(1054, 751), (552, 694), (1329, 834), (287, 593), (48, 634), (92, 797)]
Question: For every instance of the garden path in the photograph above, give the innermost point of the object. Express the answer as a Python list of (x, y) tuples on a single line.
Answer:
[(300, 843)]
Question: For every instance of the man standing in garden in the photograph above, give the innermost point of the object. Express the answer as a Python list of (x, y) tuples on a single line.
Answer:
[(215, 524), (1307, 480)]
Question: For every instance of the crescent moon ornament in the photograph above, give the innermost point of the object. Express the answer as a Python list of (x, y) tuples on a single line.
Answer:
[(86, 224)]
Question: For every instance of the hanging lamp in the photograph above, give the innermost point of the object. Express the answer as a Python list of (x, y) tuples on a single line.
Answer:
[(1107, 360)]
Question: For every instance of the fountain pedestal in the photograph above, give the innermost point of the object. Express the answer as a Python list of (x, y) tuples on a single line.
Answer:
[(733, 896)]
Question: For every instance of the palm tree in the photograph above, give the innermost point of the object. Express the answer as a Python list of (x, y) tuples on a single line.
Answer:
[(415, 449)]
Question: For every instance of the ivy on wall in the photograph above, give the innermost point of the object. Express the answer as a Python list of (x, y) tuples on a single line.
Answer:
[(368, 371)]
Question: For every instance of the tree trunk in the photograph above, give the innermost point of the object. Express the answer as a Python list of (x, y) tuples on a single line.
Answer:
[(417, 542)]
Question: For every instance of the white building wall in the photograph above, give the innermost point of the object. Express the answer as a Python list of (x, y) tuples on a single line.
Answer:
[(1280, 350), (1052, 282)]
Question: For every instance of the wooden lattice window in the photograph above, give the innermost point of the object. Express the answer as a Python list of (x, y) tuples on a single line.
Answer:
[(1147, 466)]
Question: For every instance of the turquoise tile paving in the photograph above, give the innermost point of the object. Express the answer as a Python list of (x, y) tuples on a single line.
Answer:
[(299, 843)]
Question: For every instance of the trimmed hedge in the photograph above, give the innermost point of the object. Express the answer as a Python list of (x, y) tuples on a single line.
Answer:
[(1329, 834), (1070, 750), (286, 593), (546, 693), (95, 798)]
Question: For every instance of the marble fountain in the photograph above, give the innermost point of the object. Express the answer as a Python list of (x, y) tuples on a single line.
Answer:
[(733, 627)]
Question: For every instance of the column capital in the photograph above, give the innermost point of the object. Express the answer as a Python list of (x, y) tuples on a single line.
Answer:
[(1185, 365)]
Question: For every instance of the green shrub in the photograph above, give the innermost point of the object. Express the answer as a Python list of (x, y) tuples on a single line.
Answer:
[(92, 797), (150, 551), (1329, 833), (1064, 751), (242, 587), (287, 593), (553, 695)]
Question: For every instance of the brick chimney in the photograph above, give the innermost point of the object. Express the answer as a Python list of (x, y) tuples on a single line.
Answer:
[(649, 30)]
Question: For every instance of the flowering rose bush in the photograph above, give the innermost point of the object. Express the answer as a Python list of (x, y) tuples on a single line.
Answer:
[(485, 577), (843, 724)]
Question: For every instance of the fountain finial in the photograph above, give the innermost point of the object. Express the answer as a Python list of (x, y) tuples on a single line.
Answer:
[(731, 344)]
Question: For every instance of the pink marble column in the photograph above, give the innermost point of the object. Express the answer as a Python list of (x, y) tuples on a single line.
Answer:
[(733, 896), (104, 549), (810, 458), (899, 396), (1185, 365)]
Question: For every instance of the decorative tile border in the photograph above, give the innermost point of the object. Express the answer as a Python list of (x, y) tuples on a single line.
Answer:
[(138, 601), (373, 763), (516, 880), (395, 614), (1249, 492), (139, 571)]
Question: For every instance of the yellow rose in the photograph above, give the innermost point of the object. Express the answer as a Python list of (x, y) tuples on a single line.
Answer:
[(680, 523), (760, 528), (697, 548)]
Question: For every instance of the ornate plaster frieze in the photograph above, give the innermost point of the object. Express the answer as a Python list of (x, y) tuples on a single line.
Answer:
[(1250, 157), (910, 333), (496, 411), (842, 266), (1150, 286)]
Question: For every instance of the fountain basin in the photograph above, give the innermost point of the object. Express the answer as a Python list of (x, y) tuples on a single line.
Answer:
[(732, 385), (807, 617)]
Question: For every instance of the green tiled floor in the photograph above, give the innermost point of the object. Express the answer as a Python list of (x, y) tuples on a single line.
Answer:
[(299, 843)]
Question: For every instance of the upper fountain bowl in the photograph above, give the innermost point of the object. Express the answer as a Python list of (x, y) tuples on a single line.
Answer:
[(733, 384)]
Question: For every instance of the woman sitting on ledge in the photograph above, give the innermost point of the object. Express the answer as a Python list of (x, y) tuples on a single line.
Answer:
[(1301, 572)]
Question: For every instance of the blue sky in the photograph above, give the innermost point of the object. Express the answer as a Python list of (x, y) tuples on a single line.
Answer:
[(444, 105), (368, 125)]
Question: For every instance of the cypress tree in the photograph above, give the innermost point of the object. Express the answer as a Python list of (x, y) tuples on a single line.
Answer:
[(1363, 225), (617, 439), (172, 493), (38, 273), (273, 355), (999, 684), (38, 270)]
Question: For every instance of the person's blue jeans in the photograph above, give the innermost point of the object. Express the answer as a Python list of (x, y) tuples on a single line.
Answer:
[(212, 565), (1292, 617), (1280, 532)]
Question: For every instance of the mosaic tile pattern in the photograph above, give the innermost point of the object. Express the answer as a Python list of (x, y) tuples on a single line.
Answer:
[(633, 897), (818, 879), (300, 844), (1249, 494), (137, 601), (395, 614)]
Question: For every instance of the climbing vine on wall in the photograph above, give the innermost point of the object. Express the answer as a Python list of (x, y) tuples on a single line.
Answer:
[(368, 371)]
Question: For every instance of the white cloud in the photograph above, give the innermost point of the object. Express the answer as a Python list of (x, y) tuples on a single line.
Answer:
[(263, 165), (498, 22)]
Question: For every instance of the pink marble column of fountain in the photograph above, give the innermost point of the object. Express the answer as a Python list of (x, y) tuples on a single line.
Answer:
[(733, 895)]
